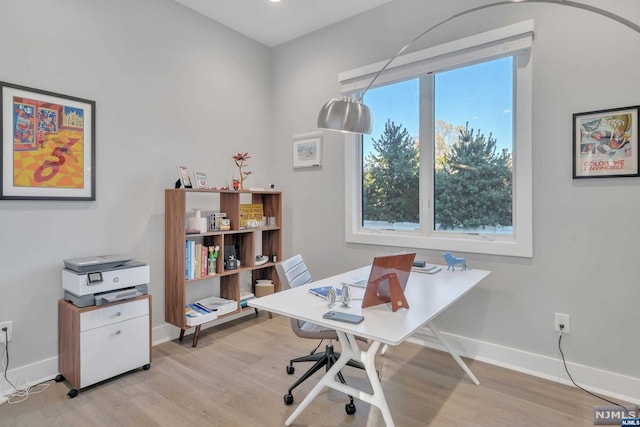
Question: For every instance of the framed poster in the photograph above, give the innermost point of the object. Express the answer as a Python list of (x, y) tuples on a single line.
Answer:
[(48, 145), (605, 143), (307, 150)]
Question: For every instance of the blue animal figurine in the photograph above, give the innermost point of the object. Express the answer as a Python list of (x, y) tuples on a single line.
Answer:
[(452, 261)]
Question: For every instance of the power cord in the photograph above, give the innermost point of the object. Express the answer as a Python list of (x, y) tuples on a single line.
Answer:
[(317, 347), (21, 394), (564, 362)]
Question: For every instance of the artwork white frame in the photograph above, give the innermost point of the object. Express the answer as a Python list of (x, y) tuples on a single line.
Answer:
[(200, 180), (184, 176), (307, 150)]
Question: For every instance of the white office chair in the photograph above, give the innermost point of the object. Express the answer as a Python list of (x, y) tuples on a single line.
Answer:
[(293, 272)]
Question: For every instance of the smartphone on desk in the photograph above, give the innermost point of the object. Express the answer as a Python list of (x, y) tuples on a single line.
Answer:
[(343, 317)]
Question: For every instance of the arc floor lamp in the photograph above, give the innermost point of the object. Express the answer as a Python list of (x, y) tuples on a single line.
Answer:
[(351, 115)]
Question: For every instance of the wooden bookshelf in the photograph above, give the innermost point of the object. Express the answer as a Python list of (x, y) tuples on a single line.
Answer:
[(228, 201)]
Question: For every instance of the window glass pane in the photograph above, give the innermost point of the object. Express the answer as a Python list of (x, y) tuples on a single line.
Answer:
[(473, 147), (390, 158)]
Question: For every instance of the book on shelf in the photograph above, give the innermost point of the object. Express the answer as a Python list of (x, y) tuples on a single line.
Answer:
[(197, 259), (219, 305), (244, 297), (196, 315)]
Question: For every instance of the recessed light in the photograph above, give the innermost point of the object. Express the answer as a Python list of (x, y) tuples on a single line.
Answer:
[(274, 1)]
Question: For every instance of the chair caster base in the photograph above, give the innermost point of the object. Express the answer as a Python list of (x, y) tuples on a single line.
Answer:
[(290, 369), (350, 408), (288, 399)]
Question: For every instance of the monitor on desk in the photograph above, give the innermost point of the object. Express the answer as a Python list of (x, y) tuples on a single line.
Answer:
[(388, 280)]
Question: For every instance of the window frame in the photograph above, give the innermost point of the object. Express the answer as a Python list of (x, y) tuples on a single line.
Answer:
[(514, 40)]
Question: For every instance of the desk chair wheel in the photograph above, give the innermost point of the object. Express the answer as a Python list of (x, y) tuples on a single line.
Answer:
[(290, 369), (288, 399), (350, 408)]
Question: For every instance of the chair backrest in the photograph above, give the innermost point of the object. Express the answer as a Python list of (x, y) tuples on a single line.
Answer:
[(293, 272)]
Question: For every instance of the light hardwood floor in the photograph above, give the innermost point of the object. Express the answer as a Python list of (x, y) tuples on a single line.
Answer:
[(236, 377)]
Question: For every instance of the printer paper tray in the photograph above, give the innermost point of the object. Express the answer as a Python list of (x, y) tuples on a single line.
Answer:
[(120, 295)]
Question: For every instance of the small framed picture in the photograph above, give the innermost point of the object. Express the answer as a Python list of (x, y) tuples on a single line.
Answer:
[(200, 180), (307, 150), (183, 174), (605, 143)]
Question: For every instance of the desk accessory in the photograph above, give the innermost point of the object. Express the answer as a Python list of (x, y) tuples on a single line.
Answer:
[(346, 295), (453, 261), (387, 281), (428, 269), (343, 317)]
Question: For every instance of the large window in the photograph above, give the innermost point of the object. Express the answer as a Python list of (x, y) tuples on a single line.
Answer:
[(447, 165)]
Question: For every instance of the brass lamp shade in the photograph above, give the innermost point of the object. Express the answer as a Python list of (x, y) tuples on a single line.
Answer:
[(346, 115)]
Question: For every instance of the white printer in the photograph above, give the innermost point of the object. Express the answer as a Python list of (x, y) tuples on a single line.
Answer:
[(103, 279)]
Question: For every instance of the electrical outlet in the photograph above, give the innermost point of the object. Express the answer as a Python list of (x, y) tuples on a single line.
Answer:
[(9, 326), (562, 319)]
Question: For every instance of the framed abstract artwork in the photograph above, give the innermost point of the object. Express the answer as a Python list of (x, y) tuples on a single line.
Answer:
[(605, 143), (48, 145)]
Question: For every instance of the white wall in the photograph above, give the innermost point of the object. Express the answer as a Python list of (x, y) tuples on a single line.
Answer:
[(585, 231), (159, 72), (171, 87)]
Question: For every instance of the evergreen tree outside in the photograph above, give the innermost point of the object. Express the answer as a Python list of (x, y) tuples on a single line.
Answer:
[(391, 173), (473, 188)]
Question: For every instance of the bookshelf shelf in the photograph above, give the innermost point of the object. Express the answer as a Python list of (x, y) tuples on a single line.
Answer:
[(245, 240)]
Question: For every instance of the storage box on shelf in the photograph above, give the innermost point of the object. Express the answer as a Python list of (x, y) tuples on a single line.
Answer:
[(244, 240)]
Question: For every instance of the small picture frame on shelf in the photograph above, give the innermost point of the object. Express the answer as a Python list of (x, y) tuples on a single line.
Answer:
[(200, 180), (183, 177)]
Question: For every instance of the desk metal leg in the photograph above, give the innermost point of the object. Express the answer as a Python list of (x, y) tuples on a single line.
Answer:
[(350, 350), (453, 353)]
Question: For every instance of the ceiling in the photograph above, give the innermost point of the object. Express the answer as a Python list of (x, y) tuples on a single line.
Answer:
[(275, 23)]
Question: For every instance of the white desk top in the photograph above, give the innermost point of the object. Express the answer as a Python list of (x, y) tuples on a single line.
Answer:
[(428, 295)]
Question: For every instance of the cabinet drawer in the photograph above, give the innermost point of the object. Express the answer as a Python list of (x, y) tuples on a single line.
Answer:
[(108, 314), (113, 350)]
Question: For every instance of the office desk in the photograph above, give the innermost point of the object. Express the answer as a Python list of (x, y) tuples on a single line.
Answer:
[(428, 295)]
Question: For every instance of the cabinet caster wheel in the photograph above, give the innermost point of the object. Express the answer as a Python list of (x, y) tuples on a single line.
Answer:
[(147, 366), (290, 369), (59, 378), (288, 399), (350, 408), (72, 393)]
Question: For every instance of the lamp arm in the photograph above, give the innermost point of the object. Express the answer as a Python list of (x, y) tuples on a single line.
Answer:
[(569, 3)]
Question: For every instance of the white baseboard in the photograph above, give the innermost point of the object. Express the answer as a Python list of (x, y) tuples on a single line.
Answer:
[(27, 376), (595, 380)]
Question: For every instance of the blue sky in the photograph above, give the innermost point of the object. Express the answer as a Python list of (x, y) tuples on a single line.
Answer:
[(481, 94)]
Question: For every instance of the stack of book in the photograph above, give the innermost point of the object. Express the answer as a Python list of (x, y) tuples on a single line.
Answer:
[(208, 309), (196, 260), (197, 314), (244, 297)]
